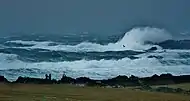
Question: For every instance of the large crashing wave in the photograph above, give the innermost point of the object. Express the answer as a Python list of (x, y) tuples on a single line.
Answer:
[(136, 38), (133, 40), (172, 61)]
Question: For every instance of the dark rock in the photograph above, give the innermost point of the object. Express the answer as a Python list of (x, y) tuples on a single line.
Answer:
[(34, 80), (155, 76), (119, 81), (181, 79), (166, 75), (132, 77), (3, 79), (152, 49), (122, 81), (133, 57), (157, 57), (66, 79), (120, 78), (83, 80)]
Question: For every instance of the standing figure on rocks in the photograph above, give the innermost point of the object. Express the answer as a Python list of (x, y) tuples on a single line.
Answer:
[(46, 76), (49, 76)]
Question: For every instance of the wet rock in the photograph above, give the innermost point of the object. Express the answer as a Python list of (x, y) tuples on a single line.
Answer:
[(152, 49), (66, 79), (3, 79), (157, 57)]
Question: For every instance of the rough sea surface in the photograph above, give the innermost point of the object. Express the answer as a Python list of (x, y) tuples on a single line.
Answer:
[(103, 57)]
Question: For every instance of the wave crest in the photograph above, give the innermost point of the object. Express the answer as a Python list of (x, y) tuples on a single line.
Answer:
[(137, 37), (133, 40)]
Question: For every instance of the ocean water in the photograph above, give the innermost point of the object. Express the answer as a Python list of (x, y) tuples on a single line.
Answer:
[(77, 55)]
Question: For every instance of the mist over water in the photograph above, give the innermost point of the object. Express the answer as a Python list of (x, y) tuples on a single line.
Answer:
[(84, 55)]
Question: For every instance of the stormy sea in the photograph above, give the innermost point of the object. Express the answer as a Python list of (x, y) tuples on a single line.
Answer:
[(96, 57)]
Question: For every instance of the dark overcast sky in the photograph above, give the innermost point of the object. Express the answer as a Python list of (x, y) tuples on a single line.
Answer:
[(105, 16)]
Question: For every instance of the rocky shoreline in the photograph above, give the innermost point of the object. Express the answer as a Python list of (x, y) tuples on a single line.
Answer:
[(144, 83), (122, 80)]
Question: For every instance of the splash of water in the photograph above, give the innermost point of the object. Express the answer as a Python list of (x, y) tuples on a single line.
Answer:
[(132, 40)]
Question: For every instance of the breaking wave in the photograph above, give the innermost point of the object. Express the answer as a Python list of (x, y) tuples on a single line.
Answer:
[(126, 56), (96, 69), (135, 39)]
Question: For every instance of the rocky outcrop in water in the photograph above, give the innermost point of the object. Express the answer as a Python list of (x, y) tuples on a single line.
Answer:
[(152, 49)]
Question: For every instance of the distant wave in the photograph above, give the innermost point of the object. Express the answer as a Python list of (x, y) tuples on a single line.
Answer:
[(133, 40), (39, 55)]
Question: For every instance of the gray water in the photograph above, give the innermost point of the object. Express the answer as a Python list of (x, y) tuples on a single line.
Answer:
[(96, 57)]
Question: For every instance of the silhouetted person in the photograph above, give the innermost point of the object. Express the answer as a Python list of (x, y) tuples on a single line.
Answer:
[(46, 76), (49, 76)]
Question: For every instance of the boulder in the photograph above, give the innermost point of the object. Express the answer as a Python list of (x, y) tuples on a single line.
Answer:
[(83, 80), (66, 79), (3, 79), (152, 49)]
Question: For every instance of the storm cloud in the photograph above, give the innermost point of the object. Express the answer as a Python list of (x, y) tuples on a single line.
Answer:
[(94, 16)]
